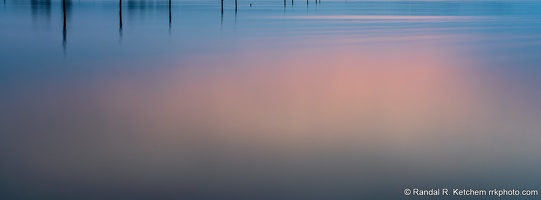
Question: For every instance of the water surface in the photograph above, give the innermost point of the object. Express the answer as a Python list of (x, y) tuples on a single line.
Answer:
[(335, 100)]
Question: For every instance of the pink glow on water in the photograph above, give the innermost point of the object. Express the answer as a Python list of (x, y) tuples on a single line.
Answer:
[(394, 95)]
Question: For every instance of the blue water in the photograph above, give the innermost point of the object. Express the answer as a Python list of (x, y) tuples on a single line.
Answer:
[(334, 100)]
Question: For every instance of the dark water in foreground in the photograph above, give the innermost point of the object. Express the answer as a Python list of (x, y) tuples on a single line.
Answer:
[(337, 100)]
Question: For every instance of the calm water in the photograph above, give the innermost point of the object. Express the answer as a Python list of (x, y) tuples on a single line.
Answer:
[(336, 100)]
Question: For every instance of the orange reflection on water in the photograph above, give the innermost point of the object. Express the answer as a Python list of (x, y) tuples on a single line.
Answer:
[(348, 94), (328, 112)]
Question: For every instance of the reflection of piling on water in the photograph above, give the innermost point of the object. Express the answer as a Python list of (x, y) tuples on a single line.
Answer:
[(120, 19), (222, 16), (170, 18), (41, 10), (64, 29)]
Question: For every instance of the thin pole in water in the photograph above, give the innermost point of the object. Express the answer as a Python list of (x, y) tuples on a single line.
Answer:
[(222, 17), (120, 18), (169, 14), (64, 29), (235, 6)]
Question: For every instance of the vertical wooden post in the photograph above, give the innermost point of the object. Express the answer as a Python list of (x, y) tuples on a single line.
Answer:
[(120, 32), (169, 14), (222, 16), (64, 28), (120, 17)]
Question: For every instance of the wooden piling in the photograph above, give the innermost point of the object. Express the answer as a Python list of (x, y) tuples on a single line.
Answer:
[(120, 15), (170, 14), (64, 27), (120, 32)]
